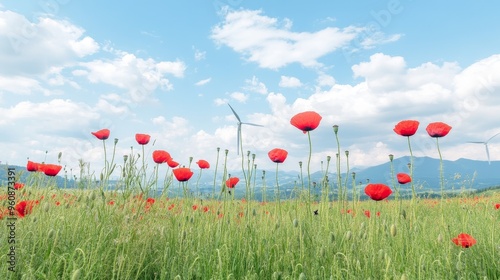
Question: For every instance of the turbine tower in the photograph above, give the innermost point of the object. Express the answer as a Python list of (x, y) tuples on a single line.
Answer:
[(239, 145)]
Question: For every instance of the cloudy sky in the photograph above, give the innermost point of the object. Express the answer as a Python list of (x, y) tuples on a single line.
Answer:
[(169, 69)]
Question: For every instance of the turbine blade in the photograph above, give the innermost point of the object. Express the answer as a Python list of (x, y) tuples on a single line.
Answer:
[(253, 124), (477, 142), (492, 137), (487, 153), (234, 112)]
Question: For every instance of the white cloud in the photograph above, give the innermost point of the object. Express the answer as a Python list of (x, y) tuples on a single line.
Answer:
[(325, 80), (254, 85), (46, 117), (199, 55), (203, 82), (239, 96), (289, 82), (264, 40), (139, 76), (221, 101), (34, 47), (20, 84)]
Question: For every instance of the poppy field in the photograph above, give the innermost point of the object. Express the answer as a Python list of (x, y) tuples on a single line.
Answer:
[(134, 230)]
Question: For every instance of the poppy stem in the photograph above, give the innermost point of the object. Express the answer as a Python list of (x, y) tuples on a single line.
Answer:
[(411, 170), (309, 167), (215, 172), (441, 174), (279, 195)]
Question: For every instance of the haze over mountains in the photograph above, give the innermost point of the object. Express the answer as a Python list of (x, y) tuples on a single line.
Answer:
[(462, 174)]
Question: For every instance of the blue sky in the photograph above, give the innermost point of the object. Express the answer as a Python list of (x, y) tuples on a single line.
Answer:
[(168, 69)]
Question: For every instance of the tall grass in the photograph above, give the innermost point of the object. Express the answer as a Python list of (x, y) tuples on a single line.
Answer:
[(192, 239)]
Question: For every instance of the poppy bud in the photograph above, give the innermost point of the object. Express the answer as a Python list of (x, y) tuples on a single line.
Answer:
[(336, 129), (404, 277), (393, 230), (76, 274), (348, 235), (302, 276), (347, 153), (295, 223), (332, 237), (391, 157), (51, 234), (46, 207), (116, 141)]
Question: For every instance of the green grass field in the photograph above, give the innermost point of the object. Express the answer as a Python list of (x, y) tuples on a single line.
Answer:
[(83, 234)]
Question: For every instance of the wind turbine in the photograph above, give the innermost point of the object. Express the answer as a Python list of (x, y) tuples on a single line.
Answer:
[(238, 141), (486, 145)]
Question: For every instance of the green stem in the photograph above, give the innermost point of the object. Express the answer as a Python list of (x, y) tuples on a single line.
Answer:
[(279, 195), (309, 167), (413, 193)]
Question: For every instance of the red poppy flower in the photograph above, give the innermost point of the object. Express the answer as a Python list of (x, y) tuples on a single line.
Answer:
[(464, 240), (406, 128), (102, 134), (203, 164), (438, 129), (277, 155), (172, 163), (18, 186), (32, 166), (51, 169), (403, 178), (160, 156), (142, 139), (367, 213), (150, 200), (497, 206), (182, 174), (195, 207), (231, 182), (41, 167), (24, 207), (378, 191), (205, 209), (306, 121)]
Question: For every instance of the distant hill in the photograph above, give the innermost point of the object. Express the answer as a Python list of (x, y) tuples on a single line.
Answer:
[(459, 175)]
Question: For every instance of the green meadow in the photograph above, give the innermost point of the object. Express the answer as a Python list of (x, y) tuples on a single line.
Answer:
[(85, 234), (93, 232)]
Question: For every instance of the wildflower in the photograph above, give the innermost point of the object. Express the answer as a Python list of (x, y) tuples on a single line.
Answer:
[(205, 209), (378, 191), (203, 164), (497, 206), (464, 240), (277, 155), (406, 128), (24, 207), (160, 156), (195, 207), (306, 121), (102, 134), (438, 129), (231, 182), (142, 139), (172, 163), (51, 169), (32, 166), (367, 213), (18, 186), (182, 174), (403, 178)]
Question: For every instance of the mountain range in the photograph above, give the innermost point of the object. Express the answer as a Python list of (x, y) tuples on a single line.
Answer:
[(458, 175)]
